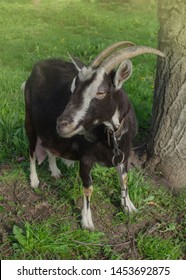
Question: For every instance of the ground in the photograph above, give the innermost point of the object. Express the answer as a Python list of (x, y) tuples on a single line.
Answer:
[(122, 236)]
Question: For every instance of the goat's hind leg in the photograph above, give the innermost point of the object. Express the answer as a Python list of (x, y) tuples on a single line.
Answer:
[(125, 198), (55, 172), (86, 214)]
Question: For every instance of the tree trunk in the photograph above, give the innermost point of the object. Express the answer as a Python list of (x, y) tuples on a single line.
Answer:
[(167, 142)]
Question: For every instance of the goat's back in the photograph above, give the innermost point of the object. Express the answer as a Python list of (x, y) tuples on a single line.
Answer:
[(47, 93)]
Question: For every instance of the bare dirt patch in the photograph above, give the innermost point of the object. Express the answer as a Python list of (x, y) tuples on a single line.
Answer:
[(20, 203)]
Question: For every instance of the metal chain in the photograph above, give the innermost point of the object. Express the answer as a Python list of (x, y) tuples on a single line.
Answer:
[(117, 161), (118, 155)]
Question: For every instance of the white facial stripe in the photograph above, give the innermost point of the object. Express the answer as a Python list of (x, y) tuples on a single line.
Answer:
[(88, 95)]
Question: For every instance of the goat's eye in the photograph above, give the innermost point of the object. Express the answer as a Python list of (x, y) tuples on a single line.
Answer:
[(100, 94)]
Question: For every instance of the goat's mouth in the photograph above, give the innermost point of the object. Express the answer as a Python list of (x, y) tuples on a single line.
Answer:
[(67, 130)]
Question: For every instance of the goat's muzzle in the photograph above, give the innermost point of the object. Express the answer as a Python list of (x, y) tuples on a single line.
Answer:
[(67, 128)]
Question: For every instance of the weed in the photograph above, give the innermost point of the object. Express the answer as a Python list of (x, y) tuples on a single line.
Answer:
[(52, 240)]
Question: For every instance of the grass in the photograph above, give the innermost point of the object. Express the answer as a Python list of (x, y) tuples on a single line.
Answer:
[(158, 248), (39, 241), (44, 224)]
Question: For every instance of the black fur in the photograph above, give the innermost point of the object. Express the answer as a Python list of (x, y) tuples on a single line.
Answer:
[(47, 93)]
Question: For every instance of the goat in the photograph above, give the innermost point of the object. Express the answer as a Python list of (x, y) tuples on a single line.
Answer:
[(71, 109)]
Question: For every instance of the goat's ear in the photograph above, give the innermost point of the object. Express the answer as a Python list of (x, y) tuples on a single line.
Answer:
[(77, 63), (123, 73)]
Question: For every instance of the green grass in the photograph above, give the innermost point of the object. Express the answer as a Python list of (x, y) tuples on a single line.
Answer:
[(158, 248), (39, 241), (45, 223), (29, 34)]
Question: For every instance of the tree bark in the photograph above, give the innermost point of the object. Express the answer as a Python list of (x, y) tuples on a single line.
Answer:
[(166, 147)]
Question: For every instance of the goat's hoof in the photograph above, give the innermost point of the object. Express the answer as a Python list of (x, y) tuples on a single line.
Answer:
[(34, 183), (90, 228), (128, 206), (130, 210), (56, 174), (87, 225)]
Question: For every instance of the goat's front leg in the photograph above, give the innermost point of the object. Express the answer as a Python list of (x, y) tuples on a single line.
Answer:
[(85, 167), (125, 199)]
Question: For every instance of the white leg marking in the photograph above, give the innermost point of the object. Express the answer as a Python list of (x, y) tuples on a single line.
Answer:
[(34, 181), (86, 221), (129, 205), (56, 173), (67, 162)]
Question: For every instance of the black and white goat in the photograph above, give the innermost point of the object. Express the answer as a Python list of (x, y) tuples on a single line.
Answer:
[(69, 107)]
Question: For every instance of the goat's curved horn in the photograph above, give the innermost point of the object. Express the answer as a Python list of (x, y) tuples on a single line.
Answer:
[(115, 59), (96, 62)]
